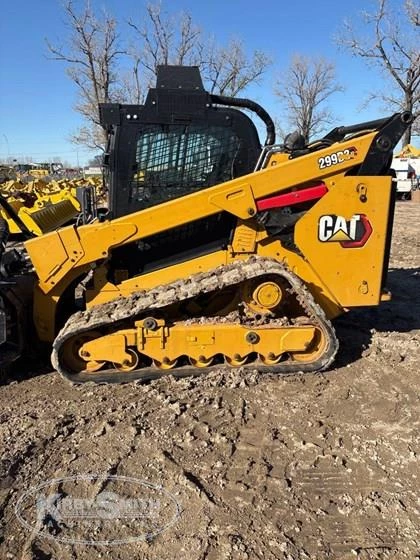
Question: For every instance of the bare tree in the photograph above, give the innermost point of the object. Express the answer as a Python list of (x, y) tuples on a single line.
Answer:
[(304, 89), (92, 56), (159, 39), (413, 12), (228, 70), (395, 50), (97, 64), (166, 39), (96, 161)]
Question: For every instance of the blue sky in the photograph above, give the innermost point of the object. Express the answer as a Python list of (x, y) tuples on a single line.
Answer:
[(37, 98)]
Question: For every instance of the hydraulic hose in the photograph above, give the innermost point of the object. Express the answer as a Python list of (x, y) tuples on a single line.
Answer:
[(252, 106)]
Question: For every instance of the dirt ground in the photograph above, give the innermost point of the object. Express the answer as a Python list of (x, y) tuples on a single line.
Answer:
[(300, 467)]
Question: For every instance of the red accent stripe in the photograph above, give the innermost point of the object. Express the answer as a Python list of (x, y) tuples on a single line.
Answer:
[(295, 197)]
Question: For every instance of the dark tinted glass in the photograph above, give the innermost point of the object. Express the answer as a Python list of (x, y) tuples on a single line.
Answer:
[(174, 160)]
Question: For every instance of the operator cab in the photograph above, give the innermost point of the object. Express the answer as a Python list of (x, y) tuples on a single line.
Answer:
[(183, 139)]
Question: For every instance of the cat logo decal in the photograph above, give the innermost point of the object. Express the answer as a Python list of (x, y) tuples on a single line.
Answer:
[(349, 233)]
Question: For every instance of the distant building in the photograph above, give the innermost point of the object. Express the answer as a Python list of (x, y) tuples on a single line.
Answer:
[(92, 171)]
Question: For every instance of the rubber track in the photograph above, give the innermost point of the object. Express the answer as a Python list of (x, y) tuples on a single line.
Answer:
[(142, 303)]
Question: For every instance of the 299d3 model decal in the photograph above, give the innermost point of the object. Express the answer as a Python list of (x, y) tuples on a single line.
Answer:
[(336, 157)]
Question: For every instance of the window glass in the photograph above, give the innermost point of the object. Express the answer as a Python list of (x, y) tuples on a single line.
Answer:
[(173, 160)]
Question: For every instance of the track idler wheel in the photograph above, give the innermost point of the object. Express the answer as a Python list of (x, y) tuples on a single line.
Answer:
[(75, 358), (314, 350), (263, 297)]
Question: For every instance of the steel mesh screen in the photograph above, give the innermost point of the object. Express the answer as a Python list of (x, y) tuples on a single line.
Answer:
[(174, 160)]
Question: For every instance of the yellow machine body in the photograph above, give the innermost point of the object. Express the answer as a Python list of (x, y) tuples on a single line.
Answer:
[(337, 276), (202, 248)]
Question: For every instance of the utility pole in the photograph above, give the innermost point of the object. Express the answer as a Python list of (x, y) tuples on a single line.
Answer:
[(8, 147)]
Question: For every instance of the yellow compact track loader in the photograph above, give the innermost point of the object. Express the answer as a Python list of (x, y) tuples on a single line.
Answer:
[(214, 250), (39, 214)]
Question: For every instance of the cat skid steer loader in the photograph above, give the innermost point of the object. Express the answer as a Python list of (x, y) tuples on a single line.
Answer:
[(213, 250)]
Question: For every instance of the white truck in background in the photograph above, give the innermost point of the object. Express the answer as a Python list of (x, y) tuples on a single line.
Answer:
[(407, 175)]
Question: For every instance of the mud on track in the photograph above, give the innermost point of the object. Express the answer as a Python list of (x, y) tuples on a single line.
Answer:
[(301, 467)]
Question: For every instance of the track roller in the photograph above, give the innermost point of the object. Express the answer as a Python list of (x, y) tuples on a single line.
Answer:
[(236, 361), (202, 362), (270, 360), (129, 364), (166, 363)]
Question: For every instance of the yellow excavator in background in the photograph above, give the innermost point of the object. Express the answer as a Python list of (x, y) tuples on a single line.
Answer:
[(214, 250)]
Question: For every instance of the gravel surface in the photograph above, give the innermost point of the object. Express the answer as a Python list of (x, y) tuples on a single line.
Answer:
[(257, 467)]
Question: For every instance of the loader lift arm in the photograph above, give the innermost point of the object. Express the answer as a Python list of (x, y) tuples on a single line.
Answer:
[(76, 249)]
